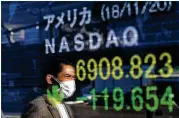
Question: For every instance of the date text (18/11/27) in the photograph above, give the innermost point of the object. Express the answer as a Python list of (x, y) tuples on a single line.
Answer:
[(137, 99)]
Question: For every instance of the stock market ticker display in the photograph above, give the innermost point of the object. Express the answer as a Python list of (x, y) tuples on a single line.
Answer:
[(125, 53)]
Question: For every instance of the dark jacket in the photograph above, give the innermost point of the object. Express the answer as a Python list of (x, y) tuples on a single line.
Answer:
[(42, 108)]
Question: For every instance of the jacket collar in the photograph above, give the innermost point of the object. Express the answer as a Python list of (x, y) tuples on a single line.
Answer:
[(46, 99), (54, 112)]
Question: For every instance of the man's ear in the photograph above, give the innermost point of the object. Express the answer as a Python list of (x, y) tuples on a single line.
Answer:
[(49, 78)]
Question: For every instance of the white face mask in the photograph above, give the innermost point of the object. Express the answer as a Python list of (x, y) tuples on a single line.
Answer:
[(67, 87)]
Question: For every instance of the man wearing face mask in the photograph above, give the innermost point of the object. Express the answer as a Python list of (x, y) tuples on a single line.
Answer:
[(60, 85)]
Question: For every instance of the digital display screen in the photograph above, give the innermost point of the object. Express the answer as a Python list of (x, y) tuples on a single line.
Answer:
[(124, 55)]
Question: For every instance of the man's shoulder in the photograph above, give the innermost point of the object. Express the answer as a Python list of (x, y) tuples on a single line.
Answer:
[(36, 108), (39, 101)]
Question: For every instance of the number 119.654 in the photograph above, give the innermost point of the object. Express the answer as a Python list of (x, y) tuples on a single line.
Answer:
[(139, 100)]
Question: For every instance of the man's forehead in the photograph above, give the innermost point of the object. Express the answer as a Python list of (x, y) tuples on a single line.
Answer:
[(67, 68)]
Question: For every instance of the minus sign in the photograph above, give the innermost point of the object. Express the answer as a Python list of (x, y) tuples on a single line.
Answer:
[(82, 98)]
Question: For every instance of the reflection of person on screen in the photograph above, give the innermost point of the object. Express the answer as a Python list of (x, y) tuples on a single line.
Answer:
[(51, 105)]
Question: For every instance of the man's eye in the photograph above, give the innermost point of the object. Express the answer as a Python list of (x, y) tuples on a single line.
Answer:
[(67, 76)]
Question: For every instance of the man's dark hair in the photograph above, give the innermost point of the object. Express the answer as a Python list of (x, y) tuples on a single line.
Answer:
[(56, 66)]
